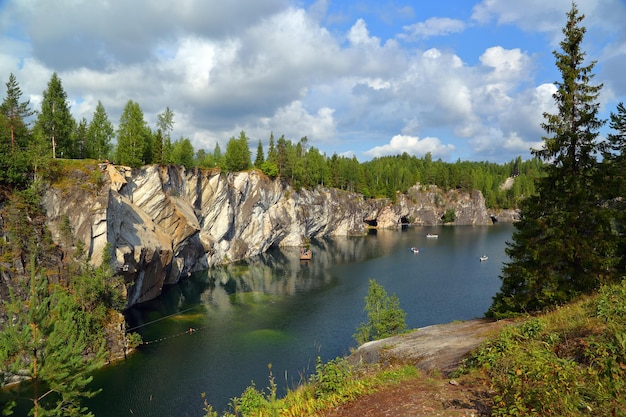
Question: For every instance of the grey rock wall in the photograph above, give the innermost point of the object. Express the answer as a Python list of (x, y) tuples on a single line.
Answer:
[(163, 223)]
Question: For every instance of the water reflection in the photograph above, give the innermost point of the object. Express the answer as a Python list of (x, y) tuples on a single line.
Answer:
[(277, 272)]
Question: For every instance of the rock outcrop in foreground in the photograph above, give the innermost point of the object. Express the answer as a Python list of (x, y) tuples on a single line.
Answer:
[(163, 223)]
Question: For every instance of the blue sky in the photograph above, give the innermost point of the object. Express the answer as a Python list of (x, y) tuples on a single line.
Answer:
[(456, 78)]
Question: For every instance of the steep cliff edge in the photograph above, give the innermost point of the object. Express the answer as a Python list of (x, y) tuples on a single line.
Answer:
[(163, 223)]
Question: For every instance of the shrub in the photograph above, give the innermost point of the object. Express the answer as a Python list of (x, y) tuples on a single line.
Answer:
[(385, 317)]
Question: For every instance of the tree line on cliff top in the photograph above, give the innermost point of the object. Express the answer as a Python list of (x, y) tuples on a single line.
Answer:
[(31, 141)]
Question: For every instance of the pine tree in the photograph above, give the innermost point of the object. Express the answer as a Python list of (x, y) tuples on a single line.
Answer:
[(131, 136), (99, 134), (17, 112), (563, 244), (14, 135), (43, 342), (55, 120)]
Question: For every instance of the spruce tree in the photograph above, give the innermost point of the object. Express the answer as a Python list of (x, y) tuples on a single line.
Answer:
[(14, 135), (563, 244), (55, 121), (614, 165), (260, 158), (17, 113), (99, 134), (165, 124), (79, 142)]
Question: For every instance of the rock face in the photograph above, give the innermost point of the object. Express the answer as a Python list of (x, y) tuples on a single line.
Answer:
[(163, 223)]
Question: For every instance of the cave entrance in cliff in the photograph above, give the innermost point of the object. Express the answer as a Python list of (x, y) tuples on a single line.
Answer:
[(371, 223), (404, 221)]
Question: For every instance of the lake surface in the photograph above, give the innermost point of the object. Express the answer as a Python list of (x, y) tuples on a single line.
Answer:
[(277, 309)]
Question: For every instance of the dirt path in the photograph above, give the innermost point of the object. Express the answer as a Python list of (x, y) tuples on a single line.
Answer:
[(436, 350)]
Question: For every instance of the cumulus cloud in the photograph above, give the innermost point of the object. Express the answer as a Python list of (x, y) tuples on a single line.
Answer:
[(270, 66), (413, 146)]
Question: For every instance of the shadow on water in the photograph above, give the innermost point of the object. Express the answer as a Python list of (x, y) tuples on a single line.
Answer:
[(217, 331)]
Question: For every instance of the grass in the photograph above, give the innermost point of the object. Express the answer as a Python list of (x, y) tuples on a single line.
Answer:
[(571, 361), (334, 383)]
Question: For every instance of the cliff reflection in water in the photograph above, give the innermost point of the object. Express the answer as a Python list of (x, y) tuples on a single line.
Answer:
[(281, 272), (278, 272)]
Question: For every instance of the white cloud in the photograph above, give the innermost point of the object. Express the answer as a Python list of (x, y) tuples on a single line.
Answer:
[(266, 65), (293, 119), (435, 26), (508, 65), (413, 146)]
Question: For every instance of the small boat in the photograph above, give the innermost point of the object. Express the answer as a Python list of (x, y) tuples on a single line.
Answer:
[(483, 258), (414, 250), (306, 254), (432, 235)]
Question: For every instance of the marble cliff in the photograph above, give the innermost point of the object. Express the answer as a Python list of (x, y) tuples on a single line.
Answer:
[(163, 223)]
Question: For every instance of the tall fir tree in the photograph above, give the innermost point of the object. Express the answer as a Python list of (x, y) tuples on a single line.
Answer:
[(79, 141), (218, 158), (157, 148), (614, 165), (563, 245), (55, 121), (272, 155), (260, 157), (100, 134), (165, 124), (131, 136), (14, 135)]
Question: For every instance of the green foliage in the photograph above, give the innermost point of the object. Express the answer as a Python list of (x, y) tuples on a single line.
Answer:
[(237, 156), (333, 383), (270, 169), (331, 376), (564, 244), (260, 157), (14, 135), (100, 134), (183, 153), (385, 317), (45, 342), (132, 136), (55, 120), (449, 216), (569, 362)]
